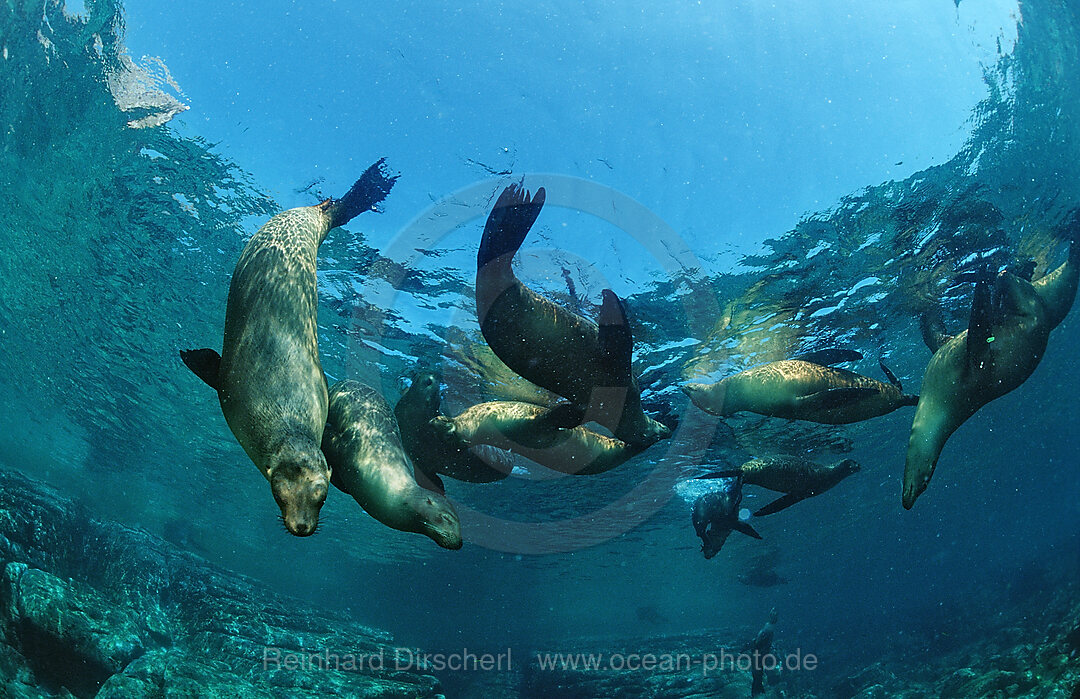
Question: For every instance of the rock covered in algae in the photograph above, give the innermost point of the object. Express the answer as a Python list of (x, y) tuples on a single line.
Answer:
[(95, 609)]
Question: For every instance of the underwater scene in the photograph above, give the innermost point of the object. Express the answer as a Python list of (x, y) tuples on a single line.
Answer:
[(653, 350)]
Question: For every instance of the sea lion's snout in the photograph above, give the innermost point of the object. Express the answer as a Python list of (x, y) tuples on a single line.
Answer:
[(300, 489), (913, 490)]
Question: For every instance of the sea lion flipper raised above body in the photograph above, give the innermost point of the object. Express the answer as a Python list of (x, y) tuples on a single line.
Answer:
[(365, 195), (781, 503), (932, 327), (980, 325), (204, 363), (509, 223), (614, 335), (832, 398), (889, 375), (829, 357)]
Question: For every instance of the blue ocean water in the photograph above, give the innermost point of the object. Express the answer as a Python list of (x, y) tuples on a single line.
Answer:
[(755, 179)]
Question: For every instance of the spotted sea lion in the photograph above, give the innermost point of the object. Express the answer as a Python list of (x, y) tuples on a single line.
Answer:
[(1009, 327), (798, 389), (268, 377), (799, 478), (586, 363), (363, 448), (716, 515), (430, 454), (527, 429)]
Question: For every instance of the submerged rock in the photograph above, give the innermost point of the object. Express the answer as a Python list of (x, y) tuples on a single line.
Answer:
[(90, 608)]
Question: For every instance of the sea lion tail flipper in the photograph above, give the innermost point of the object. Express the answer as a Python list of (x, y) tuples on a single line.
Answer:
[(828, 357), (204, 363), (508, 223), (614, 336), (565, 416), (728, 473), (365, 195), (832, 398), (745, 528), (781, 503), (889, 375)]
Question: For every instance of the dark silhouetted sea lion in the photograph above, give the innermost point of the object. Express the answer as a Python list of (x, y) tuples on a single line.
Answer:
[(268, 376), (716, 514), (761, 646), (432, 455), (363, 448), (1010, 324), (801, 390), (556, 349), (799, 478), (527, 429)]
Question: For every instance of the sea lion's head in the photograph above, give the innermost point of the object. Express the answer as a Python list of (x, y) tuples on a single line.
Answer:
[(299, 480), (425, 391), (848, 467), (437, 519)]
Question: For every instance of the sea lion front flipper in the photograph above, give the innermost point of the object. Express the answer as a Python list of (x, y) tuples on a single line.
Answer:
[(745, 528), (981, 323), (614, 335), (508, 223), (832, 398), (730, 473), (781, 503), (889, 375), (429, 481), (204, 363), (932, 326), (828, 357), (565, 416)]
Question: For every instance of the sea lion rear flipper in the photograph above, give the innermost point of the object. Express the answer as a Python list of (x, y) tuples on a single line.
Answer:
[(364, 195), (729, 473), (204, 363), (828, 357), (832, 398), (889, 375), (781, 503), (614, 336), (565, 416), (509, 222), (745, 528)]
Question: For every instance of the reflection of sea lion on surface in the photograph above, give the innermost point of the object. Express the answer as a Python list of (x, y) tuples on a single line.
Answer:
[(716, 514), (528, 430), (430, 454), (363, 448), (1010, 324), (556, 349), (799, 478), (268, 377), (799, 389)]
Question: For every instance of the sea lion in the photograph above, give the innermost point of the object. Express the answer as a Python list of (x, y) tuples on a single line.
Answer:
[(363, 448), (798, 478), (761, 646), (798, 389), (268, 377), (527, 429), (1009, 327), (716, 514), (430, 454), (556, 349)]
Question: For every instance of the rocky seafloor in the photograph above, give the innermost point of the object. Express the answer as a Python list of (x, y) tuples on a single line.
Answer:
[(94, 609)]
